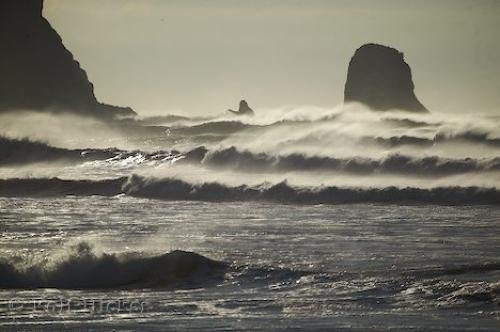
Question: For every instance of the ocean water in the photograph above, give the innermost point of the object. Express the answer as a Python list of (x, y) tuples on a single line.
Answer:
[(295, 219), (306, 267)]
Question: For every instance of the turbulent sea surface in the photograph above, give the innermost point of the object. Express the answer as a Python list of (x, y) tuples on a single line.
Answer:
[(297, 218)]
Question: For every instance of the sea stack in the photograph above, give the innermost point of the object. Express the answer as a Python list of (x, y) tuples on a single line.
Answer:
[(243, 109), (379, 77), (37, 72)]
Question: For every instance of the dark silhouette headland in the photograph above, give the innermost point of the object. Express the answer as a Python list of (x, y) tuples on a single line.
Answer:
[(243, 109), (379, 77), (37, 72)]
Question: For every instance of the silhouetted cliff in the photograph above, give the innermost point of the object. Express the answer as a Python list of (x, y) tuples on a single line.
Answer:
[(37, 72), (379, 77)]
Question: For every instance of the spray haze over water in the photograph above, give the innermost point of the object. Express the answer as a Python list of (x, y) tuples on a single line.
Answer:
[(348, 146)]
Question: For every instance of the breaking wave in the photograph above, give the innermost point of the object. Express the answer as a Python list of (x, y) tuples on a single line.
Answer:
[(394, 163), (18, 152), (83, 269), (25, 151), (174, 189), (298, 144)]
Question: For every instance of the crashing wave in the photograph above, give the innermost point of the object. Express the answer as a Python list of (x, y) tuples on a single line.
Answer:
[(393, 164), (174, 189), (24, 151), (83, 269)]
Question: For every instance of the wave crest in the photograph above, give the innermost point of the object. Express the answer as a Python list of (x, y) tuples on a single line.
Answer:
[(174, 189), (393, 164), (83, 269)]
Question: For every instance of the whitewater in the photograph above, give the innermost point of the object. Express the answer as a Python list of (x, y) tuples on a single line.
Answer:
[(296, 218)]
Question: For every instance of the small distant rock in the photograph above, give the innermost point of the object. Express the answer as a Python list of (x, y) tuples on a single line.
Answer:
[(379, 77), (243, 109)]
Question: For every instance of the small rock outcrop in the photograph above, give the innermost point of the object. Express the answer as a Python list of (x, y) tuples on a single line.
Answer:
[(37, 72), (243, 109), (379, 77)]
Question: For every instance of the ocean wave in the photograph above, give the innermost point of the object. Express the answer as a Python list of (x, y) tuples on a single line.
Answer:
[(393, 164), (24, 151), (471, 136), (441, 286), (389, 129), (83, 269), (18, 152), (474, 292), (212, 127), (474, 284), (174, 189), (449, 293), (399, 141)]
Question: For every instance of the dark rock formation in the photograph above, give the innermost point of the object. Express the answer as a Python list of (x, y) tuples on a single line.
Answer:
[(37, 72), (379, 77), (243, 109)]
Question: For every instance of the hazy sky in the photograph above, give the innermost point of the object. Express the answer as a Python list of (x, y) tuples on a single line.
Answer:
[(201, 57)]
